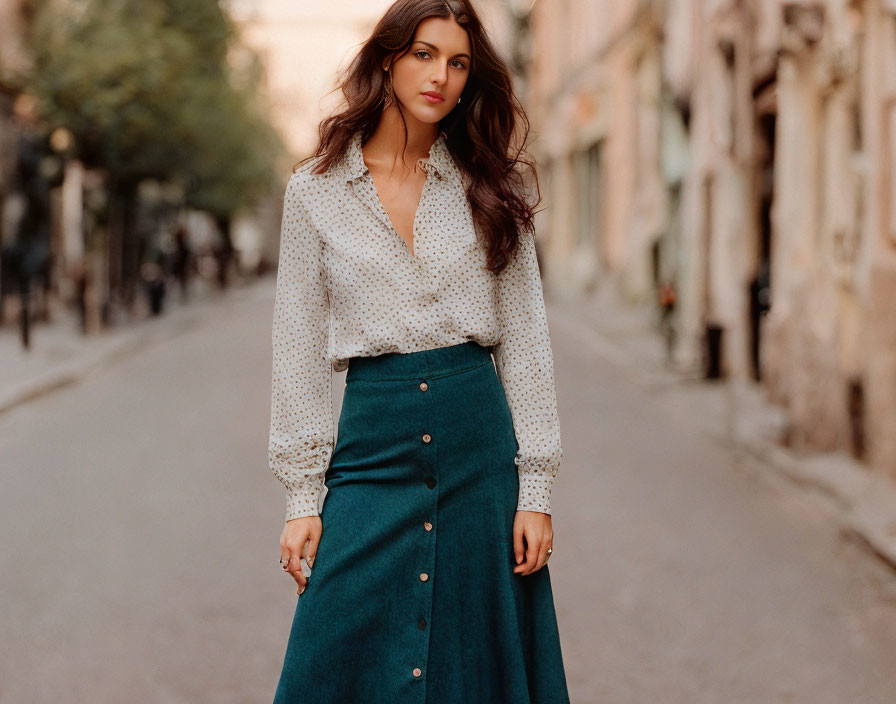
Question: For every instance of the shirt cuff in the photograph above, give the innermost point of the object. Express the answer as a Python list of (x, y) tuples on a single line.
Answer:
[(535, 490), (306, 497)]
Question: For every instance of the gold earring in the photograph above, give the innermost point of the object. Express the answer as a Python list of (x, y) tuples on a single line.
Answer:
[(387, 88)]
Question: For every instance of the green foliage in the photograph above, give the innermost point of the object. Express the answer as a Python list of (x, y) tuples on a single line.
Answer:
[(148, 92)]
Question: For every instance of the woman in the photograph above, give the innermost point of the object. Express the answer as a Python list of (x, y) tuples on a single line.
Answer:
[(423, 575)]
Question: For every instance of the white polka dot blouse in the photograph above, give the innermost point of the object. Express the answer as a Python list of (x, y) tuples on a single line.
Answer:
[(348, 285)]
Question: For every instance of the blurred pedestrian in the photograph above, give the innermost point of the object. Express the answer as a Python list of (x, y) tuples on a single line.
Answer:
[(407, 258), (182, 261), (760, 304), (667, 298), (153, 275)]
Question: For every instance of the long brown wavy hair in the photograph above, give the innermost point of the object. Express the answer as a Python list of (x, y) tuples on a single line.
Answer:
[(481, 132)]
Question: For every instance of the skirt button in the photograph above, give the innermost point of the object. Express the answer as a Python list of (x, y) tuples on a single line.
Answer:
[(423, 576), (427, 437), (417, 672), (427, 525), (424, 386)]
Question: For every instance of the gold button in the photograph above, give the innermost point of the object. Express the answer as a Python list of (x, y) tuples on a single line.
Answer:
[(423, 576), (424, 386), (427, 438), (417, 672), (427, 525)]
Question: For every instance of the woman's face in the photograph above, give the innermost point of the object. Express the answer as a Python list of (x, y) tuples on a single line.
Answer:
[(437, 62)]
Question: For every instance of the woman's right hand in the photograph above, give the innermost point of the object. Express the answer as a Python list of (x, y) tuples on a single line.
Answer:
[(300, 538)]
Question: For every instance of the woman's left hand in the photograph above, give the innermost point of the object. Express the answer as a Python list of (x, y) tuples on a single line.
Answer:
[(535, 528)]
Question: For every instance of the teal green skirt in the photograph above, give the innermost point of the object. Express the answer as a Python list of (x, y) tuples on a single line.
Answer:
[(412, 598)]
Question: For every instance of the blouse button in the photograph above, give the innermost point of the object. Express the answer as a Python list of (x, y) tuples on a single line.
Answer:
[(427, 525), (427, 437), (417, 672), (423, 576), (424, 386)]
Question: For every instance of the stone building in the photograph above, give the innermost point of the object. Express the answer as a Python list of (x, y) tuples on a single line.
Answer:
[(831, 353), (743, 150), (594, 92)]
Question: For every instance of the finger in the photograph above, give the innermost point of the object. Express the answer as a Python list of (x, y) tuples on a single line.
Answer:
[(289, 546), (519, 547), (532, 547), (310, 551), (521, 553), (294, 543), (284, 552), (543, 554), (547, 539), (532, 555), (295, 569)]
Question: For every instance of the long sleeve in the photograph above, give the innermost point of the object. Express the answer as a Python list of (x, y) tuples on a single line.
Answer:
[(524, 363), (301, 437)]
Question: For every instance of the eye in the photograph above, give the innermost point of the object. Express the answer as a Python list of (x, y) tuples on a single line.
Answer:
[(460, 64)]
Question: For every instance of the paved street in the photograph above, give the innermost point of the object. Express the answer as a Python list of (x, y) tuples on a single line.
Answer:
[(140, 530)]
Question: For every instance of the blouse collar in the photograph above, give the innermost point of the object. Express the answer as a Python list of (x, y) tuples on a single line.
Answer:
[(438, 160)]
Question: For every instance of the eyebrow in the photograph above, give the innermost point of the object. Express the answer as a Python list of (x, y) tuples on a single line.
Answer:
[(433, 46)]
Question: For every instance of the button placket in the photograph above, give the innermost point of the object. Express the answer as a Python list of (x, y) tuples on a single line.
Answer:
[(428, 455)]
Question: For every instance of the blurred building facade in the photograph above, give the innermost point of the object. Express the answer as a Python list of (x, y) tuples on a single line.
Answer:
[(741, 151), (303, 45), (12, 58)]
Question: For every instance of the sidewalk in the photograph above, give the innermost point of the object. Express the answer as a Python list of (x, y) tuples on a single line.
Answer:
[(738, 414), (60, 355)]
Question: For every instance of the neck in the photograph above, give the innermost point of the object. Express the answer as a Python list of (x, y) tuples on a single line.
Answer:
[(387, 141)]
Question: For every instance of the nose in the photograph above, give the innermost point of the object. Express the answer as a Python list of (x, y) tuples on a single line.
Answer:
[(440, 74)]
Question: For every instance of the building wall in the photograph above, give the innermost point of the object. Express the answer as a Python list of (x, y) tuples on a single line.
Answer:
[(733, 136), (595, 105), (877, 249)]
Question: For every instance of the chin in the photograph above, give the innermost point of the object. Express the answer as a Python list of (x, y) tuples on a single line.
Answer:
[(428, 118)]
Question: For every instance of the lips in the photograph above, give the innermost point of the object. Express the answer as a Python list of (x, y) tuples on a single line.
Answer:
[(433, 97)]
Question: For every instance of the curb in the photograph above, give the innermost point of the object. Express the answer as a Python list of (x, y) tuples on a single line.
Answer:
[(70, 373), (864, 501), (145, 333)]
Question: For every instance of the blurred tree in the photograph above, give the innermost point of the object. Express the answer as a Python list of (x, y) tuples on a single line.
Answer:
[(149, 91)]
